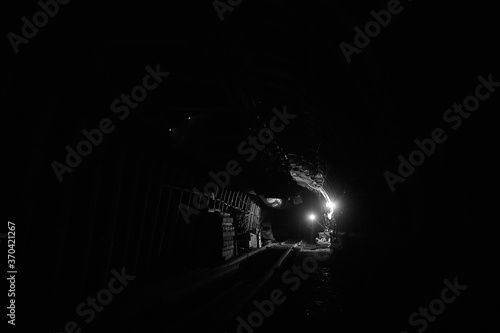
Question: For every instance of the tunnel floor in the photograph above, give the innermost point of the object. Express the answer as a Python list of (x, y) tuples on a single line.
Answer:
[(372, 283), (155, 306)]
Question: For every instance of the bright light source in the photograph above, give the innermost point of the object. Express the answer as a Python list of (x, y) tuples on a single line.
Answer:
[(312, 217), (331, 205), (189, 118)]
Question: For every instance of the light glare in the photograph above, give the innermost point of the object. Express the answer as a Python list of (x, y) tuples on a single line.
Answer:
[(331, 205)]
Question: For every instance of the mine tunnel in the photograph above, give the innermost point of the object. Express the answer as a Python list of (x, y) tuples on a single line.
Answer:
[(172, 171)]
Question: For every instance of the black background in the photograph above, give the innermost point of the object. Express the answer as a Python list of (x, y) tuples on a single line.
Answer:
[(366, 114)]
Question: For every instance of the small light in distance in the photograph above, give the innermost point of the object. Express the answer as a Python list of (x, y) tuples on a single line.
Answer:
[(312, 217)]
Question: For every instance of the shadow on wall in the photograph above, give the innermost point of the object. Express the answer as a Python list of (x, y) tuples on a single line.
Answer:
[(280, 228), (267, 233)]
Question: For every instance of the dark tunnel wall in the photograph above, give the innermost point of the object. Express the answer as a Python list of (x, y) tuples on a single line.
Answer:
[(119, 208)]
